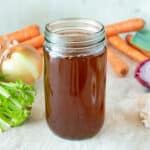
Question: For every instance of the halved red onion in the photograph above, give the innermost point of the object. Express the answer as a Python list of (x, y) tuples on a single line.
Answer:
[(142, 73)]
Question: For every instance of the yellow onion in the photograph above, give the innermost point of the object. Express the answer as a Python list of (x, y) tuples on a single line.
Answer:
[(21, 62)]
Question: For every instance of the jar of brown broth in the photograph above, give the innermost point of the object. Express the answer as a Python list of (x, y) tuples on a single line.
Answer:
[(74, 77)]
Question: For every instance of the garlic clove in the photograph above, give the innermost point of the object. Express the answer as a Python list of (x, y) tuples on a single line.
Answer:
[(144, 110)]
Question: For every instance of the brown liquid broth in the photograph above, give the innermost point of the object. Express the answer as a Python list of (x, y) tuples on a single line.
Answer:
[(75, 94)]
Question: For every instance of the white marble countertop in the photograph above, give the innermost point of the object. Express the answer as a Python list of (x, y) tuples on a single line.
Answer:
[(122, 129)]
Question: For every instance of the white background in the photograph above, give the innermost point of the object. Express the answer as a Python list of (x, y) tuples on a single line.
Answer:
[(15, 14)]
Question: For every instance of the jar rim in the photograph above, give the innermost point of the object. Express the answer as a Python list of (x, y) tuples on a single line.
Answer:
[(91, 21), (52, 30), (74, 33)]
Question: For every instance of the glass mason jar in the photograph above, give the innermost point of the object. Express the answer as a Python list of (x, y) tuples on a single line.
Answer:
[(74, 77)]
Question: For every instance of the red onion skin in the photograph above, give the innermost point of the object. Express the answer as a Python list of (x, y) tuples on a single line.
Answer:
[(138, 71)]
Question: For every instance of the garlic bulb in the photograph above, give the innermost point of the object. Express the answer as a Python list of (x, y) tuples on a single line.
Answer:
[(144, 109)]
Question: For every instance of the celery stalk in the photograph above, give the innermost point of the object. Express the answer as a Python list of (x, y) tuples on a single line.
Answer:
[(16, 99)]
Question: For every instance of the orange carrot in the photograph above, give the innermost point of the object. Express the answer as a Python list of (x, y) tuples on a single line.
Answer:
[(24, 34), (119, 66), (124, 26), (131, 52), (40, 50), (36, 42), (129, 38), (2, 44)]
